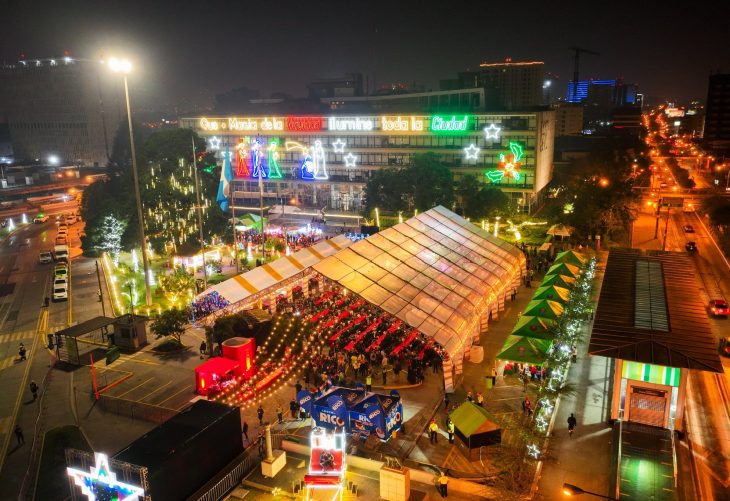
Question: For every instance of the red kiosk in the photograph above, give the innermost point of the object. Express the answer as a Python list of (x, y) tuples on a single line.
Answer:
[(241, 350), (215, 374)]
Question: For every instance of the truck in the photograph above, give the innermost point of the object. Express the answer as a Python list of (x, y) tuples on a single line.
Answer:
[(60, 252)]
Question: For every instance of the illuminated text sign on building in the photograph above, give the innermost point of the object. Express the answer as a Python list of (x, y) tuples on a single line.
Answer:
[(449, 124), (235, 124), (401, 124), (350, 123)]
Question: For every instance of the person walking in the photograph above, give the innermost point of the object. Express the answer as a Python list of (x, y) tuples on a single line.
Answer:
[(527, 406), (279, 414), (433, 429), (294, 409), (21, 353), (443, 482), (260, 414), (369, 382), (446, 402), (19, 435), (480, 399), (34, 389), (494, 377), (298, 387), (244, 430), (450, 429), (571, 424), (203, 348)]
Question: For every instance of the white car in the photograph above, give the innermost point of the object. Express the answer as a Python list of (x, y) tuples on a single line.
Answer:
[(45, 257), (60, 292), (60, 281)]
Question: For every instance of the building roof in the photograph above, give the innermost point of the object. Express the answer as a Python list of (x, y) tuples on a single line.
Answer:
[(85, 327), (649, 311)]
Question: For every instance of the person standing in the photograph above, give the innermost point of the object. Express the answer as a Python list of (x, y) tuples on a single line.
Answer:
[(203, 348), (260, 414), (19, 435), (443, 482), (34, 389), (450, 429), (369, 382), (469, 396), (294, 409), (446, 402), (244, 430), (572, 422), (298, 387), (433, 429), (480, 399), (527, 406), (279, 414), (494, 377)]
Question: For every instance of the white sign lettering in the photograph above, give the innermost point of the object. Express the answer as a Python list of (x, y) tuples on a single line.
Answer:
[(353, 123), (401, 124)]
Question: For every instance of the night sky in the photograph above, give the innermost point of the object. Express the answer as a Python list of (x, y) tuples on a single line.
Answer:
[(182, 49)]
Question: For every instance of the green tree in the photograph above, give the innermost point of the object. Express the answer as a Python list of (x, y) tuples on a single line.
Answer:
[(170, 323), (480, 200), (178, 284), (431, 182), (385, 189)]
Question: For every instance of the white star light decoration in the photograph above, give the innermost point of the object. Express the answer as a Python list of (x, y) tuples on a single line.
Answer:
[(471, 152), (492, 132), (350, 160), (533, 451), (214, 143), (547, 406), (339, 146), (541, 423), (101, 474)]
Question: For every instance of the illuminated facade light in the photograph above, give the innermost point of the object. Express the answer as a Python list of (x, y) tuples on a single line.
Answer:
[(350, 160), (471, 152), (214, 143), (492, 132), (101, 483), (339, 146)]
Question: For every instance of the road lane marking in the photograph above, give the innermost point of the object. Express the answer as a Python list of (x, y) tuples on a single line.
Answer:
[(186, 388), (134, 388), (155, 390)]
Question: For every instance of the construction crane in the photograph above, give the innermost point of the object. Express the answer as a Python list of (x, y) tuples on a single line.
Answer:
[(576, 66)]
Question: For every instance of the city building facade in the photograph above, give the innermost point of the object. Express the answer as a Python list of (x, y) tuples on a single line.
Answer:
[(508, 85), (326, 160), (717, 113), (568, 119), (66, 109)]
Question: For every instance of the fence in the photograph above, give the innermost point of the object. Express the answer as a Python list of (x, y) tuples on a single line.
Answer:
[(233, 473), (135, 409)]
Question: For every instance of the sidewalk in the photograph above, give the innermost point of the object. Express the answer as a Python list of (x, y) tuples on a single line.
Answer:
[(586, 459)]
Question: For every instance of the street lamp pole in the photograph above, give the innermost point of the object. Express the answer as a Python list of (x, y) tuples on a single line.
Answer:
[(124, 67), (574, 490)]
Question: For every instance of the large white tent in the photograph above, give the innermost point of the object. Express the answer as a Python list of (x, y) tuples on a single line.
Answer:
[(437, 272)]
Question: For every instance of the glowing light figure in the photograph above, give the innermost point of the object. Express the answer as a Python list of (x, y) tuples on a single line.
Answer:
[(24, 219), (509, 164), (541, 423), (272, 160), (534, 451), (339, 146), (242, 169), (313, 164), (350, 160), (135, 261), (249, 252), (320, 161), (492, 132), (151, 278), (214, 143), (257, 166), (471, 152), (11, 224), (101, 474), (547, 406)]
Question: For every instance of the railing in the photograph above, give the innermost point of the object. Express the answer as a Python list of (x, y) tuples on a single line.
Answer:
[(617, 494), (135, 409)]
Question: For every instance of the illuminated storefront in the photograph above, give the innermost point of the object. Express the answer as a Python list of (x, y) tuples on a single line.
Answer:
[(318, 161)]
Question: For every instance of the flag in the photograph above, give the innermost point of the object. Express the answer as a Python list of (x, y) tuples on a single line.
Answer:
[(224, 187)]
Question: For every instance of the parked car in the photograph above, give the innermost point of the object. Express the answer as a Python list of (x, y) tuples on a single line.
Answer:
[(61, 270), (724, 348), (45, 257), (690, 246), (40, 218), (71, 218), (719, 308), (688, 228), (60, 281)]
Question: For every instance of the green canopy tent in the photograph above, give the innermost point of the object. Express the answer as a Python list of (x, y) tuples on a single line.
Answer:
[(250, 221), (564, 269), (525, 350), (543, 308), (540, 328), (552, 293), (571, 257), (558, 280), (474, 427)]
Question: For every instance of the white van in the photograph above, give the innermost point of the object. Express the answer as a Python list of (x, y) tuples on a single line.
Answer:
[(61, 251)]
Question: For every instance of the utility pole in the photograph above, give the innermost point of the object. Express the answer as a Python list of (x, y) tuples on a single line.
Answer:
[(200, 214), (101, 294)]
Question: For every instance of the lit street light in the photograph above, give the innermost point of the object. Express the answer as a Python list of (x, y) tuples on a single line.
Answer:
[(574, 490), (124, 66)]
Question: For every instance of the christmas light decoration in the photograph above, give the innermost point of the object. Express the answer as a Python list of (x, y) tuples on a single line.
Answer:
[(11, 224), (135, 261), (339, 146), (242, 169), (214, 143), (509, 164), (24, 219), (101, 483), (492, 132), (533, 451), (449, 124), (350, 160), (471, 152), (272, 160)]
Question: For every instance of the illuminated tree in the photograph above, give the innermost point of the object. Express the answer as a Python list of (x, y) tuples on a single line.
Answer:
[(112, 230)]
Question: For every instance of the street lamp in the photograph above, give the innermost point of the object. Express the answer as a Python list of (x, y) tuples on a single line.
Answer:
[(124, 66), (574, 490)]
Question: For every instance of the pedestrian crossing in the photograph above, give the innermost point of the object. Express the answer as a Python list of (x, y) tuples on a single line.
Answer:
[(23, 336)]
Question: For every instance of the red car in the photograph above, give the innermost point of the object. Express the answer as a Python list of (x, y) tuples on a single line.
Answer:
[(719, 308)]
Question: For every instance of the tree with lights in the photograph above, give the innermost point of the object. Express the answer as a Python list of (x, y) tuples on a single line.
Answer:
[(112, 230)]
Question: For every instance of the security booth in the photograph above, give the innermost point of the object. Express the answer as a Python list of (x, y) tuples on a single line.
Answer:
[(130, 332), (652, 350)]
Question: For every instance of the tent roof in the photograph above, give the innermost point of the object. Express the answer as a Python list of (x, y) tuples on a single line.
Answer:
[(246, 284), (560, 230), (557, 279), (471, 419), (543, 308), (571, 257), (553, 293), (564, 269), (533, 327), (525, 350), (437, 272)]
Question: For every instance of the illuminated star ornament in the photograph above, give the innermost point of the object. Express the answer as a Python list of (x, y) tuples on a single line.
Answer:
[(339, 146), (533, 451), (471, 152), (101, 483), (214, 143), (492, 132), (350, 160)]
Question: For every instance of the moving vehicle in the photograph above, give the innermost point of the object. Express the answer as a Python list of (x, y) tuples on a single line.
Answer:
[(724, 348), (45, 257), (40, 218), (719, 308), (690, 246), (688, 228), (60, 292)]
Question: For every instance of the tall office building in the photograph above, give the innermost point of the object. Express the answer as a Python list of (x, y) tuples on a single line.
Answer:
[(508, 85), (65, 107), (717, 113)]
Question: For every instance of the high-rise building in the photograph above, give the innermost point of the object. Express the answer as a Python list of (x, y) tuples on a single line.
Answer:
[(67, 108), (717, 113), (568, 119), (613, 92), (508, 85)]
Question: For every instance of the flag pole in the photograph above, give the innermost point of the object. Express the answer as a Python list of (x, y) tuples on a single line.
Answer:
[(233, 218), (200, 214)]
